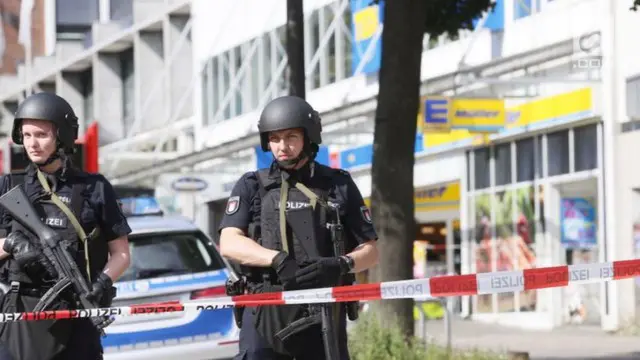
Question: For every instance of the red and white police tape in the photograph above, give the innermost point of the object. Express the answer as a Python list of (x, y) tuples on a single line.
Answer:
[(441, 286)]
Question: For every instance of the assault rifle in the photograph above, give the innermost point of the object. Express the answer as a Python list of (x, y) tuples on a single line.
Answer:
[(56, 250), (303, 223)]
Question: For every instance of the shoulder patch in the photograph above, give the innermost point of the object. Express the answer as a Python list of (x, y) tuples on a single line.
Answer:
[(233, 205), (366, 214)]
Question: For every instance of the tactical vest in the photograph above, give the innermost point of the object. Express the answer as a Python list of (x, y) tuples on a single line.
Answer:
[(61, 212), (306, 217)]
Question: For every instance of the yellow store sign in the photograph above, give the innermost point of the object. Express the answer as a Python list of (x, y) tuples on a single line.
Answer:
[(553, 110), (478, 115), (435, 198)]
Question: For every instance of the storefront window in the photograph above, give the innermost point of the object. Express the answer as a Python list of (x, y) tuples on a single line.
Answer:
[(481, 168), (558, 152), (502, 155), (524, 239), (508, 221), (505, 259), (525, 159), (483, 236), (528, 159), (586, 147)]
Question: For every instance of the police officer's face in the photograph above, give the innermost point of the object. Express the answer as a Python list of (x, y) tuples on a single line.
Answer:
[(286, 144), (39, 139)]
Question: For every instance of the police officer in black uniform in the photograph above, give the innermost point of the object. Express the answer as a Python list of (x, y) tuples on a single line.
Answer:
[(252, 228), (83, 208)]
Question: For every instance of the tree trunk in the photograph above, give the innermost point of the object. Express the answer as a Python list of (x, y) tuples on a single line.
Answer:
[(393, 151), (295, 47)]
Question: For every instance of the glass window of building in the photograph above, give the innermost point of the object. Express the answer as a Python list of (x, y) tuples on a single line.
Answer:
[(481, 167), (585, 140), (502, 156), (525, 159), (528, 159), (558, 152)]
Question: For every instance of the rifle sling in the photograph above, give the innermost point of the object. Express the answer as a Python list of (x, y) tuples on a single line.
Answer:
[(74, 220)]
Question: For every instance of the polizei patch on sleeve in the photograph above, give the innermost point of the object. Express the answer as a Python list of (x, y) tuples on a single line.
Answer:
[(366, 214), (233, 204)]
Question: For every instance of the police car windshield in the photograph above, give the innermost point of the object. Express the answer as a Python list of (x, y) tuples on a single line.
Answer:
[(170, 253)]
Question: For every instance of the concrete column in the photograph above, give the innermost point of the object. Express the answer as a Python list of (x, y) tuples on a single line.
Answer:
[(465, 230), (108, 104), (613, 112), (181, 68), (551, 300), (69, 86), (149, 67)]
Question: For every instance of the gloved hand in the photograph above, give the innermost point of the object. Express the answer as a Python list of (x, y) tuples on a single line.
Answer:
[(321, 272), (286, 267), (102, 290), (28, 254)]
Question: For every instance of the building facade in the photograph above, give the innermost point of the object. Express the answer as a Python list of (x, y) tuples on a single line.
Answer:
[(553, 187), (126, 66)]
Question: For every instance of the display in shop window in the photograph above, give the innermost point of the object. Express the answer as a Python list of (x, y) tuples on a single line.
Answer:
[(577, 223)]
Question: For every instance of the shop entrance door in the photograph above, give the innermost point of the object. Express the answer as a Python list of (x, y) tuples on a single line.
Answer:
[(578, 236)]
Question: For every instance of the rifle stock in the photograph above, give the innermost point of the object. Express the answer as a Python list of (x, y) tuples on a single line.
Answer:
[(17, 204)]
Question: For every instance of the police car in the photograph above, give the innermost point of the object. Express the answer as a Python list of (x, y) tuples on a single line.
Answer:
[(171, 260)]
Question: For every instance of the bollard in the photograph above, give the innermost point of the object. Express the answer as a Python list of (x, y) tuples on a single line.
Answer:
[(517, 355), (447, 322)]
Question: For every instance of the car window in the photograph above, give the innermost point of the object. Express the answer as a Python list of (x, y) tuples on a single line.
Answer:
[(166, 254)]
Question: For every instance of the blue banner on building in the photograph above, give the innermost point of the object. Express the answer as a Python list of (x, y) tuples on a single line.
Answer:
[(495, 19), (365, 22), (577, 224), (264, 158), (363, 155), (366, 19)]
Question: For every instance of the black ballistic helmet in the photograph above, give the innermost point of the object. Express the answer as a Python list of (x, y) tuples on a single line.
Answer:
[(48, 107), (289, 112)]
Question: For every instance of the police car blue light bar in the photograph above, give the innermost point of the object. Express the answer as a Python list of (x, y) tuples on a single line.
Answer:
[(139, 206)]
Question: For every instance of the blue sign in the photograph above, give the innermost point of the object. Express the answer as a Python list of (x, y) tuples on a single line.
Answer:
[(577, 224), (436, 111)]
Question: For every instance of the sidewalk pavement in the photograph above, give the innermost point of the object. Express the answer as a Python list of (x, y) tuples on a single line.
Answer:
[(566, 343)]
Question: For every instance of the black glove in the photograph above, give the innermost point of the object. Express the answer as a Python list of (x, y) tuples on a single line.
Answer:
[(102, 290), (321, 272), (28, 254), (286, 267)]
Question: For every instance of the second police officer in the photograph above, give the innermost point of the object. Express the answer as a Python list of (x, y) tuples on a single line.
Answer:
[(251, 232), (83, 209)]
